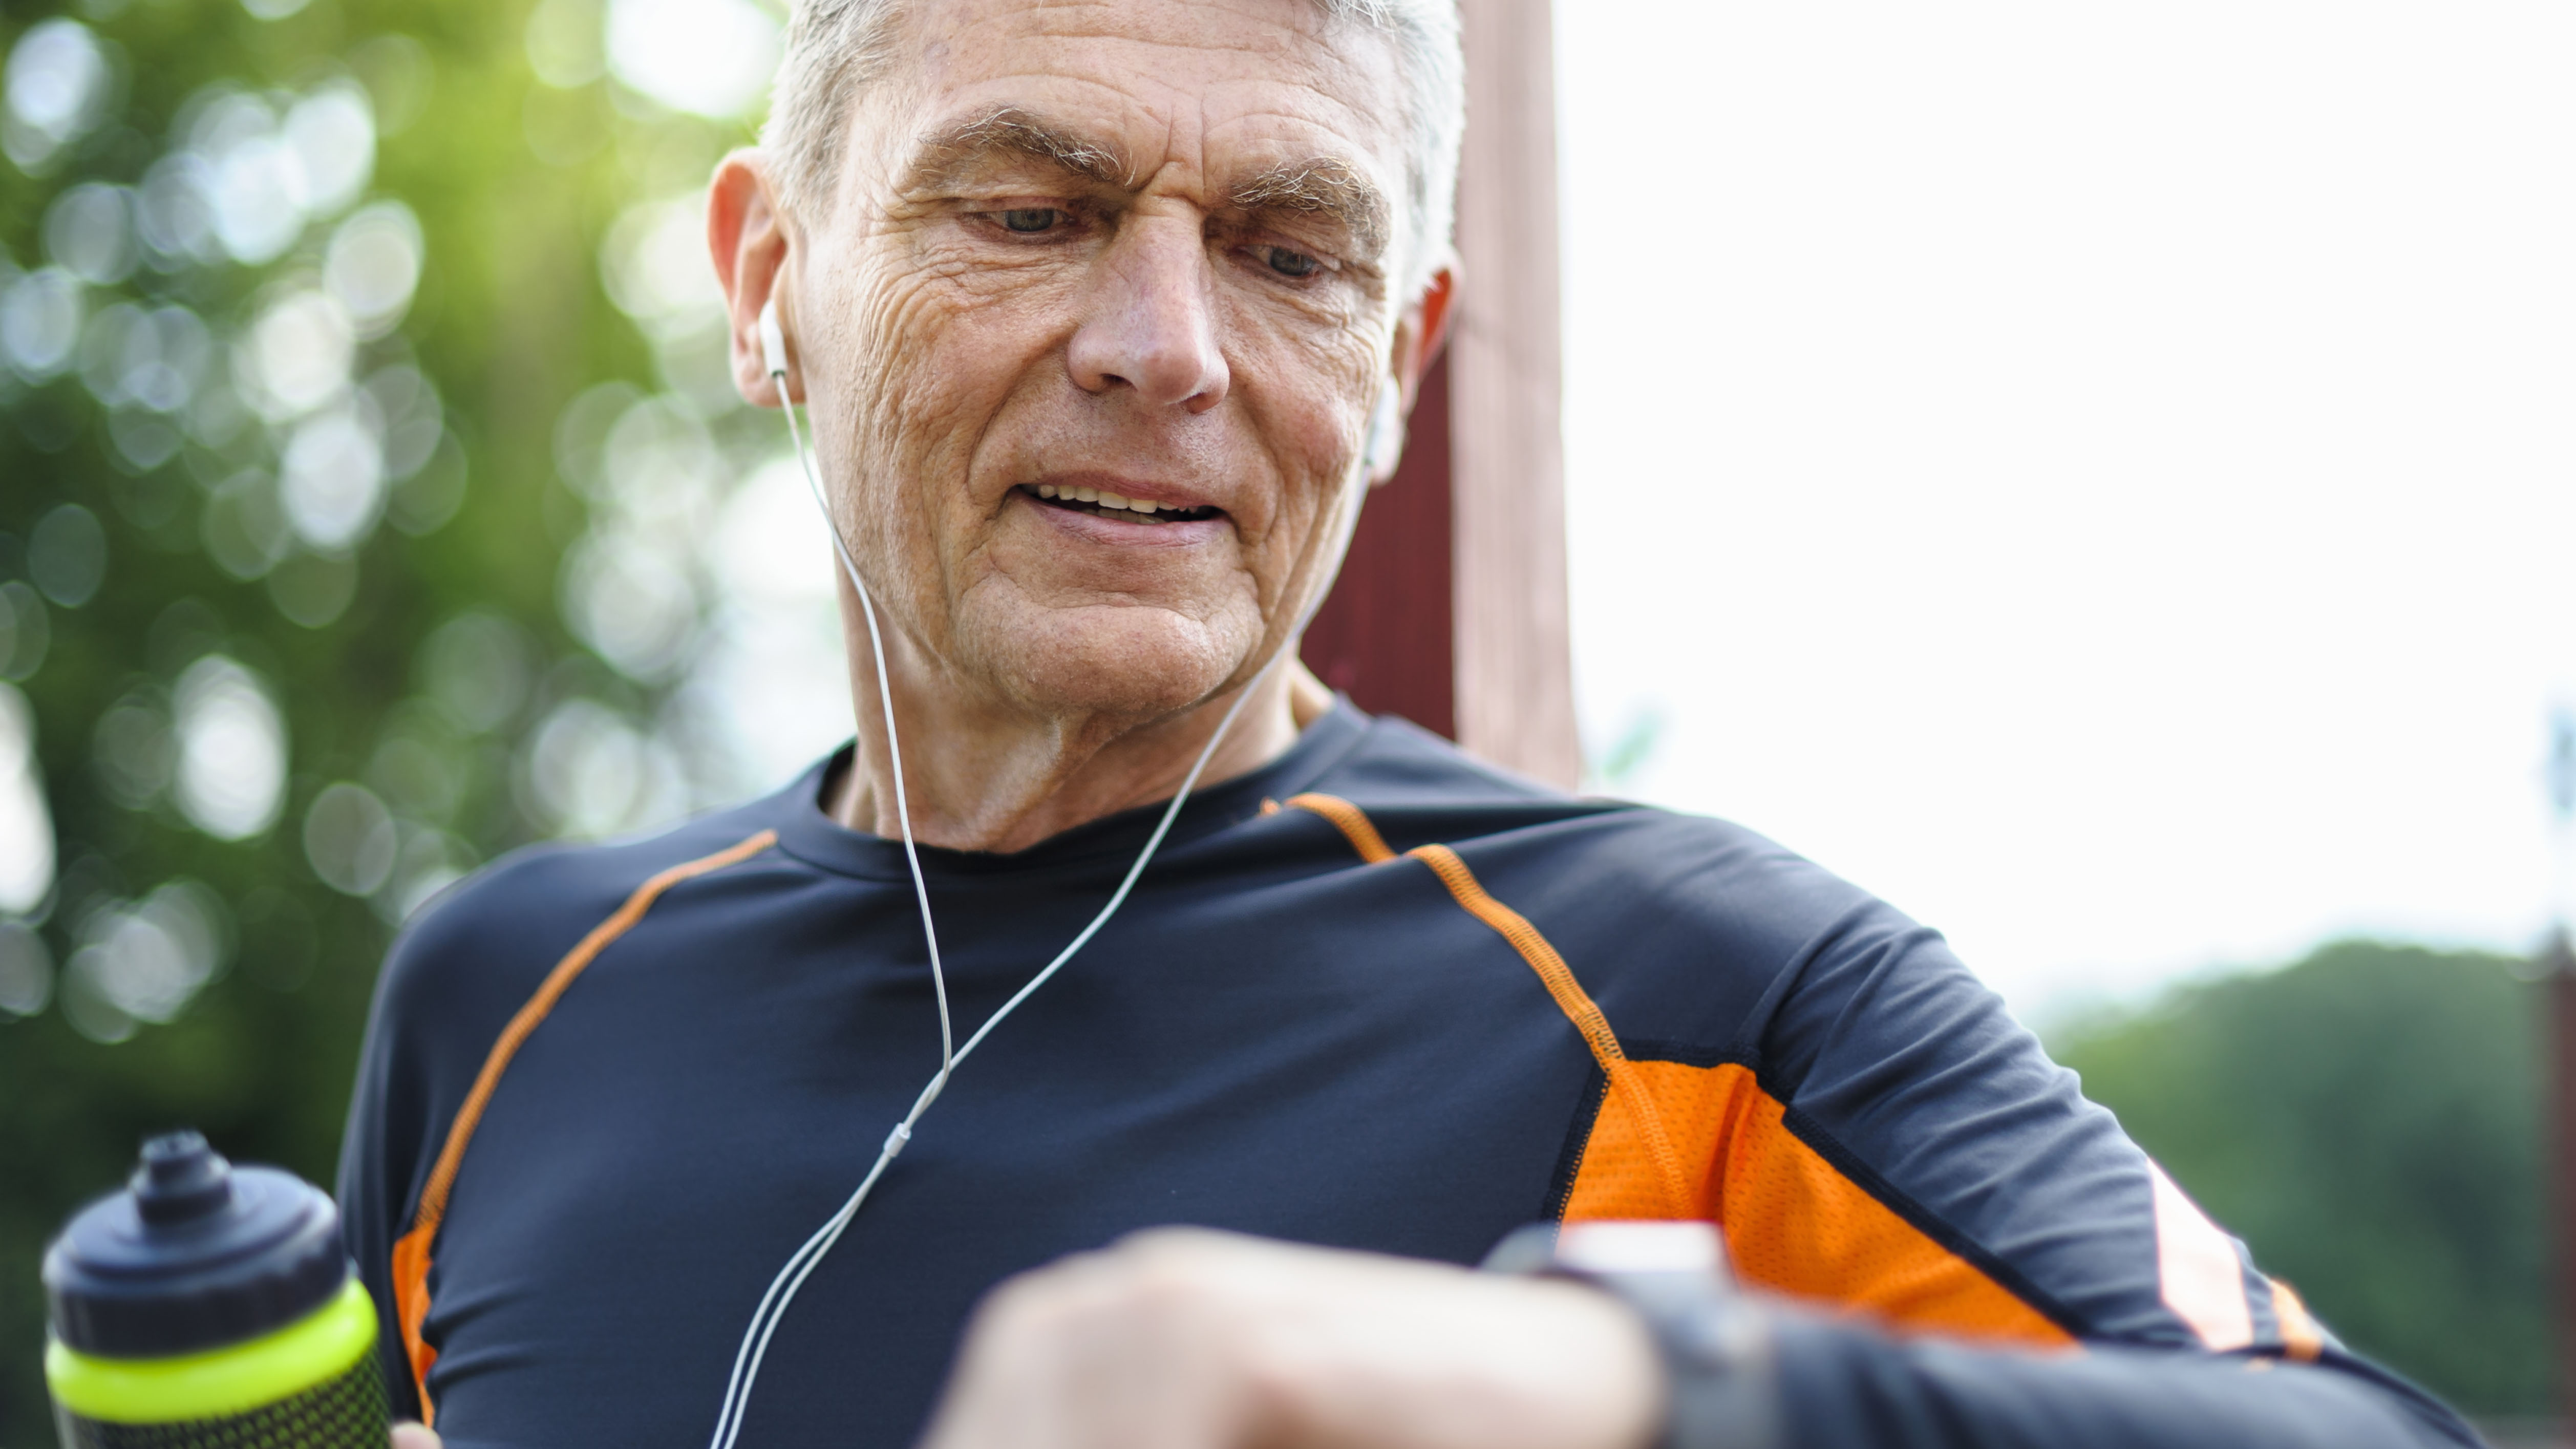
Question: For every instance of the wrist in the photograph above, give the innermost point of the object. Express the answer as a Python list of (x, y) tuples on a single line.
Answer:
[(1710, 1341)]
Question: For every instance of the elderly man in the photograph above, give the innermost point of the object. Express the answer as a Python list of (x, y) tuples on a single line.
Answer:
[(1105, 317)]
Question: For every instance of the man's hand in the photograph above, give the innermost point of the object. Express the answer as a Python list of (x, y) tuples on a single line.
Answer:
[(1183, 1339), (414, 1436)]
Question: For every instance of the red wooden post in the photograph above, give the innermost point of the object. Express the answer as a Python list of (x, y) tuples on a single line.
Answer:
[(1384, 636), (1451, 608)]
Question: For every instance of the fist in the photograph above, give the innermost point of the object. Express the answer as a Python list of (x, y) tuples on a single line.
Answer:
[(1184, 1339)]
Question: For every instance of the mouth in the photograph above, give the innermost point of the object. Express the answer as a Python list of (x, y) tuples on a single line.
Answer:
[(1114, 506)]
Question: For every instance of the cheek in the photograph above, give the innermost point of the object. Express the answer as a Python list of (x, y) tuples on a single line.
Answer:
[(1310, 398), (932, 352)]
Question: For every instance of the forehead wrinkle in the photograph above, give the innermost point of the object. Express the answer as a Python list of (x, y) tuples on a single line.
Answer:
[(1321, 186)]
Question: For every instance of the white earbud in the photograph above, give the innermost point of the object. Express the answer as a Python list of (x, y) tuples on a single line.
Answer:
[(1386, 431), (773, 342)]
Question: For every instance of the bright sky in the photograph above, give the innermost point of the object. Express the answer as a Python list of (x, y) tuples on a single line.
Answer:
[(2102, 477)]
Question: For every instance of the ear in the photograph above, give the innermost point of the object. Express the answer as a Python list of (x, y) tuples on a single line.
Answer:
[(1423, 332), (1419, 335), (748, 236)]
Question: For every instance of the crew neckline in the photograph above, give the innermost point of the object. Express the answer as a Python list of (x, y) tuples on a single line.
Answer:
[(807, 832)]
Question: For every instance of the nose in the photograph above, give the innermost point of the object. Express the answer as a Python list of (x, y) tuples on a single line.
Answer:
[(1148, 321)]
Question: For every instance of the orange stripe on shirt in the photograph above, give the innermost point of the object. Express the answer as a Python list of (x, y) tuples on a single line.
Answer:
[(1627, 1087), (1351, 821), (1709, 1143), (2301, 1339), (411, 1254)]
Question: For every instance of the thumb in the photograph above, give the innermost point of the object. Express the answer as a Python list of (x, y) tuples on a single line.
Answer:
[(414, 1436)]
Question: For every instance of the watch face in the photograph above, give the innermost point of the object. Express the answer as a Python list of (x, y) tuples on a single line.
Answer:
[(1614, 1246)]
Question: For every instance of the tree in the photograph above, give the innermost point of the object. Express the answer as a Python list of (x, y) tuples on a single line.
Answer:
[(2368, 1121), (361, 424)]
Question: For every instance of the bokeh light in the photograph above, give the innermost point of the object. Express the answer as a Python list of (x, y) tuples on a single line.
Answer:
[(349, 839), (89, 232), (142, 961), (479, 667), (333, 480), (654, 263), (244, 526), (299, 356), (332, 134), (67, 555), (40, 322), (26, 632), (373, 265), (26, 970), (58, 82), (312, 590), (26, 827), (565, 45), (709, 57), (589, 773), (132, 746), (772, 670), (231, 775)]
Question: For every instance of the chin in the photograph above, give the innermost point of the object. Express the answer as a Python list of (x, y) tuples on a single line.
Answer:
[(1132, 660)]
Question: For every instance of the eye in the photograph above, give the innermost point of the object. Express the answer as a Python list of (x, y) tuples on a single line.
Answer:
[(1030, 220), (1287, 263)]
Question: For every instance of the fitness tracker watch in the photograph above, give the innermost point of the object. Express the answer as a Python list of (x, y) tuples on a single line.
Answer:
[(1719, 1389)]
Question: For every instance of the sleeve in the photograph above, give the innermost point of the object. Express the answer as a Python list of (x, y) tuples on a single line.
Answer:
[(383, 1156), (449, 984), (1926, 1151), (1843, 1385)]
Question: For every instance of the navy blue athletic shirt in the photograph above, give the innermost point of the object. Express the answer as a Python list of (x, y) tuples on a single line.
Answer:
[(1374, 995)]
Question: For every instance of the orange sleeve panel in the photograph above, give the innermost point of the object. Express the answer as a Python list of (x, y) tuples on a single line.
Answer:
[(412, 1251), (411, 1306), (1671, 1140), (1794, 1223)]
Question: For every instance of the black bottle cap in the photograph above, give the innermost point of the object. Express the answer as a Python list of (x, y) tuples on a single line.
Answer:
[(196, 1254)]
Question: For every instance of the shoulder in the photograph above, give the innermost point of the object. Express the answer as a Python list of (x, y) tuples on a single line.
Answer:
[(463, 966), (1420, 789), (1692, 920)]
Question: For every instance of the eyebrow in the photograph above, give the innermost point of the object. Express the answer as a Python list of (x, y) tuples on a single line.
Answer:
[(1326, 187), (1320, 186), (1008, 132)]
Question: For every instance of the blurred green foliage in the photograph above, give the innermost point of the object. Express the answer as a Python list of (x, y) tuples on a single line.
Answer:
[(2368, 1120), (235, 840)]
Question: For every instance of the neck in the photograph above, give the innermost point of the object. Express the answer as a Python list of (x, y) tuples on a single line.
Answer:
[(980, 778)]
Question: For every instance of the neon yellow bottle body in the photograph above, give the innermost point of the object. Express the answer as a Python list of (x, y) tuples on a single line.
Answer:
[(314, 1384), (209, 1308)]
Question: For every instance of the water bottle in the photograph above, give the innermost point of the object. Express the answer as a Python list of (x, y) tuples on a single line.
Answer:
[(210, 1307)]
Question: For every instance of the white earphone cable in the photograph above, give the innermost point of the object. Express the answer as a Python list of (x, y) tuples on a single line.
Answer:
[(792, 1274)]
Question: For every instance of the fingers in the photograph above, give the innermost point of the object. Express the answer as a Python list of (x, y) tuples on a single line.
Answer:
[(414, 1436)]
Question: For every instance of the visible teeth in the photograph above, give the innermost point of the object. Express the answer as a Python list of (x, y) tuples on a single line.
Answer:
[(1110, 500)]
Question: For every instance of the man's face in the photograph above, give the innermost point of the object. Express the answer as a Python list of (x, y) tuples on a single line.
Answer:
[(1087, 253)]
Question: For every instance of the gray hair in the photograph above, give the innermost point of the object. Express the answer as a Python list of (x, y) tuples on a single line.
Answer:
[(834, 46)]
